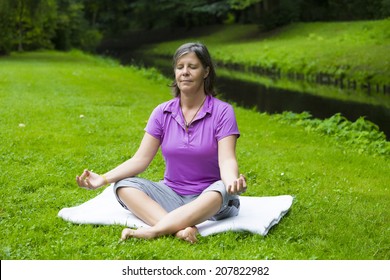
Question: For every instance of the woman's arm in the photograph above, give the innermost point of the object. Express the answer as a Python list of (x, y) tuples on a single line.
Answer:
[(132, 167), (228, 166)]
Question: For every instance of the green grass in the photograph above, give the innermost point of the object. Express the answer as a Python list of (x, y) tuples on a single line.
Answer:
[(354, 50), (303, 86), (341, 206)]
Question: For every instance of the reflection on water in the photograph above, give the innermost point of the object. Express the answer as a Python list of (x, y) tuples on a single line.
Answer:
[(276, 100)]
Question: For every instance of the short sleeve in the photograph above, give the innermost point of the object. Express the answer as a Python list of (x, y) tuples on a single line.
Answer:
[(154, 124), (226, 123)]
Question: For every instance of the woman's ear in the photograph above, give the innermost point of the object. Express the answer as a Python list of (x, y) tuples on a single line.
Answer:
[(206, 72)]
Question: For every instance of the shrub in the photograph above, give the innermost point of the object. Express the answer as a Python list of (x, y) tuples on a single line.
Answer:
[(90, 40), (362, 135)]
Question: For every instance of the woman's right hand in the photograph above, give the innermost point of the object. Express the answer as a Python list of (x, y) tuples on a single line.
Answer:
[(90, 180)]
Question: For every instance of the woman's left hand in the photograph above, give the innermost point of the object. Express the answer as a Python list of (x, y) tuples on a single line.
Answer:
[(238, 186), (90, 180)]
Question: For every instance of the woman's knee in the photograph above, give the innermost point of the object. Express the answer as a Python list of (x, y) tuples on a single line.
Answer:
[(129, 193), (212, 198)]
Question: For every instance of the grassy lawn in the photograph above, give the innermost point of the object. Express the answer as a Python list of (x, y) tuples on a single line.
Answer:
[(63, 112), (354, 50)]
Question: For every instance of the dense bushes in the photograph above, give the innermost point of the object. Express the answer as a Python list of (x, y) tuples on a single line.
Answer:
[(45, 24), (66, 24), (287, 11), (361, 136)]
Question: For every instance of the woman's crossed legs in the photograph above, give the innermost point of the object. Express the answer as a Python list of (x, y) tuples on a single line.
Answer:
[(180, 221)]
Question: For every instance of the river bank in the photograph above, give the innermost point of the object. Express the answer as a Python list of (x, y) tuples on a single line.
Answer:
[(345, 64), (346, 54), (274, 96), (352, 54)]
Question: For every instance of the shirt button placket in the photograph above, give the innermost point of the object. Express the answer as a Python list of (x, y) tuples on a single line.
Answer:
[(186, 137)]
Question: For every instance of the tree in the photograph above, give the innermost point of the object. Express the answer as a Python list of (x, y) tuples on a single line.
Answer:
[(26, 24), (109, 16), (70, 24), (153, 14), (34, 22), (6, 26)]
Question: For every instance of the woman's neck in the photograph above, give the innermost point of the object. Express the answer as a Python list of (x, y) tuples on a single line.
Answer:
[(189, 102), (190, 108)]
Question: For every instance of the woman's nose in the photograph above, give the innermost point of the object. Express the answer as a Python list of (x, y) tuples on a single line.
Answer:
[(185, 71)]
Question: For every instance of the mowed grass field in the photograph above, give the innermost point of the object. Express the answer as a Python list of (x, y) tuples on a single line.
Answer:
[(63, 112), (358, 50)]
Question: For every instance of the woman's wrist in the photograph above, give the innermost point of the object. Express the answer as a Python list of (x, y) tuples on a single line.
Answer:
[(105, 180)]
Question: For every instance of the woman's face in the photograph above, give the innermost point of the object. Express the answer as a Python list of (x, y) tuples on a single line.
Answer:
[(190, 73)]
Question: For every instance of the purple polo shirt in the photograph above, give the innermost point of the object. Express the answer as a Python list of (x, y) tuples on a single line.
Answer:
[(191, 157)]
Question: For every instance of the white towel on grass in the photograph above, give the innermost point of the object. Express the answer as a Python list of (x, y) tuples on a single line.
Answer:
[(257, 214)]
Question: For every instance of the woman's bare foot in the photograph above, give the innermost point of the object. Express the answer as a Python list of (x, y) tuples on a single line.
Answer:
[(143, 233), (188, 234)]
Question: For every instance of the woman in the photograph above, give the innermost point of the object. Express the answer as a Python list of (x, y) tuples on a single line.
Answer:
[(197, 134)]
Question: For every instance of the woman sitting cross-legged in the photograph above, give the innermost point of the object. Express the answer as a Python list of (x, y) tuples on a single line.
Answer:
[(197, 134)]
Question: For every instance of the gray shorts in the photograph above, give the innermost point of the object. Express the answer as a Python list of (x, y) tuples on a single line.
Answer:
[(170, 200)]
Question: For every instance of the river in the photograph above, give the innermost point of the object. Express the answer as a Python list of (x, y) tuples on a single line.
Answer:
[(254, 94)]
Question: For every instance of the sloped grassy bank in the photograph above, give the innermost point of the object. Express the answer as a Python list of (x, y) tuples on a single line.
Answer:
[(347, 54), (63, 112)]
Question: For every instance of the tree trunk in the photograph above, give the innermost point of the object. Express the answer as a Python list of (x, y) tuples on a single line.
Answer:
[(20, 40), (20, 26)]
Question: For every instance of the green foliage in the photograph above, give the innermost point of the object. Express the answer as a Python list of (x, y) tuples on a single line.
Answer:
[(44, 24), (242, 4), (288, 11), (282, 13), (70, 111), (34, 23), (66, 24), (361, 135), (6, 25), (161, 14), (385, 8), (90, 40), (349, 50), (70, 23)]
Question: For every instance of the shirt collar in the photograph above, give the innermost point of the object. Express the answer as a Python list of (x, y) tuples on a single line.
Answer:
[(173, 106)]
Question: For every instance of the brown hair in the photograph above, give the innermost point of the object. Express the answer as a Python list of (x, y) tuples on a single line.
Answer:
[(204, 56)]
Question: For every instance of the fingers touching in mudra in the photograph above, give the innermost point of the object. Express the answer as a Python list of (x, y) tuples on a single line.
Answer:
[(238, 186), (90, 180)]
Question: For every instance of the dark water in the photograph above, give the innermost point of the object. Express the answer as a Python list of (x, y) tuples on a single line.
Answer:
[(276, 100)]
